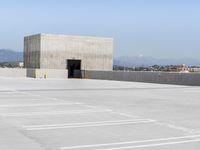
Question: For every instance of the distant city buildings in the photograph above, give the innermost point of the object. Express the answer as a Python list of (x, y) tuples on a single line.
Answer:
[(21, 64), (183, 68), (194, 69)]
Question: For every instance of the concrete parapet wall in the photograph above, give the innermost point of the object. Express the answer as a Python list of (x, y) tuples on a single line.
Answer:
[(33, 73), (13, 72), (149, 77), (47, 73)]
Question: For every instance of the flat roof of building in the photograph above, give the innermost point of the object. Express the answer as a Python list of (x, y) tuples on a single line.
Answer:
[(38, 114), (70, 36)]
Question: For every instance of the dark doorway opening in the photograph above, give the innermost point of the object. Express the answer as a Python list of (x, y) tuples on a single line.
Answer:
[(74, 68)]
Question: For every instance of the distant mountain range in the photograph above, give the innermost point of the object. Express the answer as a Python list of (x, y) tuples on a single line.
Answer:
[(7, 55), (135, 61)]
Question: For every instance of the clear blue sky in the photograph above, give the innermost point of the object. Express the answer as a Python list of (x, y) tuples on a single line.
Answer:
[(156, 28)]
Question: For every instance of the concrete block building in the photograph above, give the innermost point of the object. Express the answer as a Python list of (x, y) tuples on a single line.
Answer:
[(48, 51)]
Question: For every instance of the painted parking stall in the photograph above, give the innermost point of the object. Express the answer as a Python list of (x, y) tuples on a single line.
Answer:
[(81, 118)]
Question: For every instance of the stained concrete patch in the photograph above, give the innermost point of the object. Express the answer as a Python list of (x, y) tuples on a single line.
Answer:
[(11, 138)]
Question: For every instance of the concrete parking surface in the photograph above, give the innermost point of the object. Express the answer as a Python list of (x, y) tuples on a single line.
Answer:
[(54, 114)]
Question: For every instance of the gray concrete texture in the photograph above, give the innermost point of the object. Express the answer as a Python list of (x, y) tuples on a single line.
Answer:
[(48, 51), (149, 77), (83, 114), (47, 73), (32, 46), (33, 73), (13, 72)]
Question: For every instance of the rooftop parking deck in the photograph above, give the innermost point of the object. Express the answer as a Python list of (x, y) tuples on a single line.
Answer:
[(52, 114)]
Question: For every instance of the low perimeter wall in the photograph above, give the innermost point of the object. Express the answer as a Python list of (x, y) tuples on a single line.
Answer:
[(33, 73), (149, 77), (13, 72), (46, 73)]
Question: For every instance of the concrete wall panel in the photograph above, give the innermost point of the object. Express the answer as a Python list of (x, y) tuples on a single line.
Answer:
[(47, 73), (13, 72), (48, 51), (95, 53), (32, 51), (149, 77), (33, 73)]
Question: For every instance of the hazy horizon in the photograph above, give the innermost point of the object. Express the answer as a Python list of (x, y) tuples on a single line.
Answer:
[(158, 29)]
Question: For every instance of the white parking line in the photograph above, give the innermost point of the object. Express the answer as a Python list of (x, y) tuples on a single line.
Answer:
[(52, 113), (180, 128), (88, 124), (129, 142), (35, 105), (31, 95), (84, 123), (153, 145), (172, 126)]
